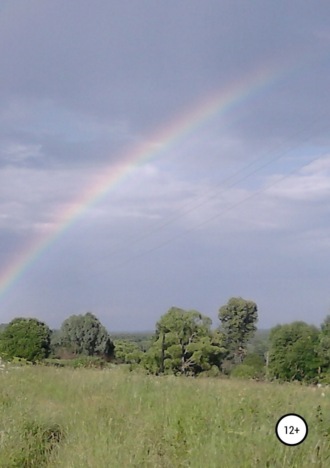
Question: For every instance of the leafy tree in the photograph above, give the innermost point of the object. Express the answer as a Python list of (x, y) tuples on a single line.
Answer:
[(238, 324), (204, 354), (324, 345), (183, 344), (152, 359), (127, 352), (293, 353), (84, 334), (25, 338), (259, 343), (253, 366), (254, 360)]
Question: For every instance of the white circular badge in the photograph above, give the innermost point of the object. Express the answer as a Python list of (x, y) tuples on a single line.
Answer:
[(291, 429)]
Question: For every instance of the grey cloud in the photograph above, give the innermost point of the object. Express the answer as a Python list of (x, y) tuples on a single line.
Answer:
[(83, 82), (139, 60)]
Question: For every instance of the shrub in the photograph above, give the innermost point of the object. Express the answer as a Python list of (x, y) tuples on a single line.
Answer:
[(244, 371), (87, 362)]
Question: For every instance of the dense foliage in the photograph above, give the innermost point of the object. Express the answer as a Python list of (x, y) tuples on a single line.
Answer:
[(84, 334), (238, 324), (293, 353), (127, 352), (25, 338), (184, 343)]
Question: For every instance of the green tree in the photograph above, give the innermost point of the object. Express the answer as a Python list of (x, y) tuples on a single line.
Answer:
[(259, 343), (26, 338), (238, 324), (324, 346), (184, 344), (84, 334), (252, 367), (293, 352), (127, 352), (206, 353)]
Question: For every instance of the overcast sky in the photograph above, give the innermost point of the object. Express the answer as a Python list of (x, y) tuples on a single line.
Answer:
[(239, 206)]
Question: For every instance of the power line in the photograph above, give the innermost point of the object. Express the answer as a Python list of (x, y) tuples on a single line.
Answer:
[(191, 206), (230, 208)]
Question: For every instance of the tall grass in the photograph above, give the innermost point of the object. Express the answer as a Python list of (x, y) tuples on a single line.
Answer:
[(59, 417)]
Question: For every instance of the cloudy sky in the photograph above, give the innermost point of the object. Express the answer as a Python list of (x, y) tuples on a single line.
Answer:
[(232, 100)]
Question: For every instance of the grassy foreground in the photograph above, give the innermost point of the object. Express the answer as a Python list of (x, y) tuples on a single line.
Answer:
[(112, 418)]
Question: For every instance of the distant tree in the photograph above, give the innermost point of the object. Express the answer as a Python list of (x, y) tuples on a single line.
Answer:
[(259, 343), (26, 338), (143, 340), (253, 366), (243, 371), (184, 344), (254, 360), (324, 346), (3, 326), (238, 324), (127, 352), (206, 353), (84, 334), (293, 353)]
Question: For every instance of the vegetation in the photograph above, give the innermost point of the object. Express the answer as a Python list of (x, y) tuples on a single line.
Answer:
[(76, 409), (127, 352), (184, 343), (142, 340), (84, 335), (25, 338), (238, 323), (91, 418), (293, 353)]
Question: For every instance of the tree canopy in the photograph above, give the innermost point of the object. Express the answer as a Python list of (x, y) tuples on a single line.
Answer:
[(26, 338), (184, 343), (238, 324), (293, 353), (84, 334)]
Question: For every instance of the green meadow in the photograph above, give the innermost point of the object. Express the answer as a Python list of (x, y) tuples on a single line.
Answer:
[(61, 417)]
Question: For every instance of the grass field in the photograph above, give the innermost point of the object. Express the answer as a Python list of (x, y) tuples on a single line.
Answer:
[(112, 418)]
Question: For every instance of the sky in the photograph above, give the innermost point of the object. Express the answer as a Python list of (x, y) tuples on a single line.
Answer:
[(159, 154)]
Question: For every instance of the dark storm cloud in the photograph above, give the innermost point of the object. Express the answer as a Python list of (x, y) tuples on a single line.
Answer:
[(143, 61)]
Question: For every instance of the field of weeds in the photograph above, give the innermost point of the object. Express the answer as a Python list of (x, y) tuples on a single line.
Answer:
[(60, 417)]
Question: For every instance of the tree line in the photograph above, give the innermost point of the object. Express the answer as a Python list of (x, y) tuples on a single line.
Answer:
[(184, 343)]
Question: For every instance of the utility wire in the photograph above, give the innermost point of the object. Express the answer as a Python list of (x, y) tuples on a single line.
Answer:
[(208, 220), (229, 208), (191, 206)]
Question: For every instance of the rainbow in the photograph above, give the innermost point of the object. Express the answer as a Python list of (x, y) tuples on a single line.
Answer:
[(165, 138)]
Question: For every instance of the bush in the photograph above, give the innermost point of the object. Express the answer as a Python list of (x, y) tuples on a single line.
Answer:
[(214, 371), (254, 360), (244, 371), (87, 362)]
